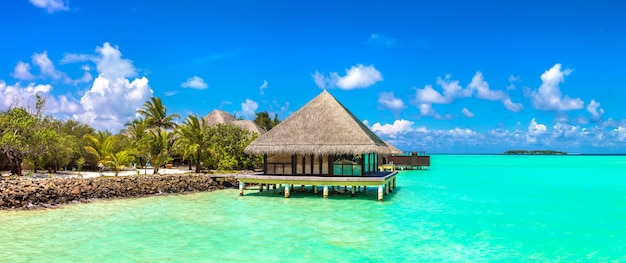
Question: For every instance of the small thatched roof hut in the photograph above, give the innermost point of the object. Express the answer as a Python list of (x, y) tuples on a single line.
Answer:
[(218, 116), (323, 126)]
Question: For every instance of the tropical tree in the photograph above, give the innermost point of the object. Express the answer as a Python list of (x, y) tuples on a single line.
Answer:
[(155, 114), (16, 135), (137, 131), (160, 143), (100, 145), (263, 120), (192, 139), (118, 160), (227, 144)]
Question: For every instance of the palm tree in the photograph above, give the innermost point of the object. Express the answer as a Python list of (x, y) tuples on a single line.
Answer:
[(193, 139), (156, 114), (118, 160), (100, 145), (160, 144), (138, 133)]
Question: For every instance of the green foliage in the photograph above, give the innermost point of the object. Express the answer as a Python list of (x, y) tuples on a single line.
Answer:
[(155, 114), (193, 139), (263, 120), (118, 160), (227, 144)]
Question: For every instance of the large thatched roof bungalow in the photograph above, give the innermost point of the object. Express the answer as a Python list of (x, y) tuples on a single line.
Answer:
[(322, 143)]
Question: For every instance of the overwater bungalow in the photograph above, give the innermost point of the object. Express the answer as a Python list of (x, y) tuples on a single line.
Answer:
[(322, 144)]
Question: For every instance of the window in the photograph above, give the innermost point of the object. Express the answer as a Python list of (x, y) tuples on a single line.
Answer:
[(347, 165)]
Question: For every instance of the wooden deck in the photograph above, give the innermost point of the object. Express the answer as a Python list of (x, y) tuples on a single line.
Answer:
[(385, 181)]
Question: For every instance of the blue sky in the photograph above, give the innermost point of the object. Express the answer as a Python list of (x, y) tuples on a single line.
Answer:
[(440, 76)]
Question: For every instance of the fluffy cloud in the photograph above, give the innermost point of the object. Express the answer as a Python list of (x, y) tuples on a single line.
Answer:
[(195, 82), (467, 113), (564, 130), (110, 63), (535, 129), (18, 96), (22, 71), (52, 6), (46, 66), (549, 97), (514, 107), (248, 109), (594, 109), (621, 133), (481, 87), (358, 76), (113, 98), (388, 101), (392, 130), (263, 87)]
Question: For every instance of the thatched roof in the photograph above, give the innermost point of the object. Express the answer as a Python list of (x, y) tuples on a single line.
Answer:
[(322, 126), (394, 149), (217, 116)]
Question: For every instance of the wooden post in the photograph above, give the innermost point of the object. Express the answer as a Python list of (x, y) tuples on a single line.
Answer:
[(241, 186), (352, 189), (325, 194), (315, 189), (274, 186), (268, 187), (260, 187), (287, 186), (387, 188), (364, 188), (380, 192)]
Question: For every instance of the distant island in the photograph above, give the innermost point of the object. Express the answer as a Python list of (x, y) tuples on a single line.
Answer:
[(535, 152)]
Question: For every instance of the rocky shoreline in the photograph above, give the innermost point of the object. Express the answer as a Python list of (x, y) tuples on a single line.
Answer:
[(29, 193)]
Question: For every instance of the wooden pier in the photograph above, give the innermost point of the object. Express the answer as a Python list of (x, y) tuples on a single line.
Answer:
[(385, 181)]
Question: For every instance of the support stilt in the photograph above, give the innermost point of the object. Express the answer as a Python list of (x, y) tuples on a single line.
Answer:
[(315, 189), (268, 187), (325, 194), (241, 186), (260, 187), (287, 186), (352, 189), (380, 193), (387, 188)]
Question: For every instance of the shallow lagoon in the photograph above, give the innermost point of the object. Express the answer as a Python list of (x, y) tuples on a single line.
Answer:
[(465, 208)]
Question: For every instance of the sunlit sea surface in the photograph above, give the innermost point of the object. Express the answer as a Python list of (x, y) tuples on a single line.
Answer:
[(464, 208)]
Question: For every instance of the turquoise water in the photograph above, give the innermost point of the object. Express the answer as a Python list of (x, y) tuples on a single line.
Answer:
[(465, 208)]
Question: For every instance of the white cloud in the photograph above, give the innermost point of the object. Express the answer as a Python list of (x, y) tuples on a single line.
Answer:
[(392, 130), (564, 130), (22, 71), (18, 96), (263, 87), (110, 63), (467, 113), (248, 109), (535, 129), (45, 65), (194, 82), (388, 101), (52, 6), (514, 107), (113, 99), (112, 102), (429, 95), (512, 80), (594, 109), (482, 88), (549, 97), (358, 76), (621, 133)]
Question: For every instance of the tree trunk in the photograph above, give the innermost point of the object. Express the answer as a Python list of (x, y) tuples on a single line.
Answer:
[(16, 166), (198, 161)]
